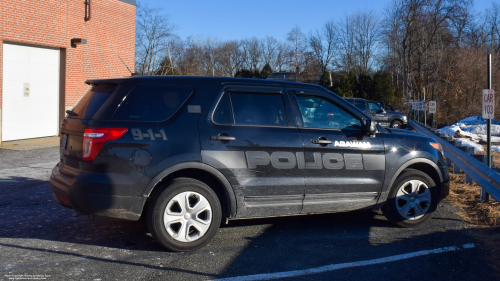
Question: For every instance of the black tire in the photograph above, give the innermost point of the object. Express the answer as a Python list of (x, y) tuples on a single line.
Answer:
[(396, 124), (158, 204), (390, 208)]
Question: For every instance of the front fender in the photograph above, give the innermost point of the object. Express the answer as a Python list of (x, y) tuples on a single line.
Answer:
[(390, 181)]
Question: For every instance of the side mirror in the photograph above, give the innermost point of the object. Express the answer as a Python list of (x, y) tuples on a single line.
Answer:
[(370, 127)]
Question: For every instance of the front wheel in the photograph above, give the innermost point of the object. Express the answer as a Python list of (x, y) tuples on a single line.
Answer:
[(396, 124), (412, 199), (184, 215)]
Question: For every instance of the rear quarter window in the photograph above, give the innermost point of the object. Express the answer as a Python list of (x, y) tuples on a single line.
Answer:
[(151, 103), (97, 103)]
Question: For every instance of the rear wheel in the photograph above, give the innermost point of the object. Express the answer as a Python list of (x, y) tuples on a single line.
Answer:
[(184, 215), (412, 200)]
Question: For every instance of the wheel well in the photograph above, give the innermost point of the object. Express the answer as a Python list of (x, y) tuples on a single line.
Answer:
[(397, 119), (207, 178), (429, 170)]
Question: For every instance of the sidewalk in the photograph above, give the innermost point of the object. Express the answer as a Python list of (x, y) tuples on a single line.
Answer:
[(30, 144)]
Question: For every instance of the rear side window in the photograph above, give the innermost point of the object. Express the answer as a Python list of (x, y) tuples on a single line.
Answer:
[(251, 109), (361, 105), (151, 103), (258, 109), (95, 103)]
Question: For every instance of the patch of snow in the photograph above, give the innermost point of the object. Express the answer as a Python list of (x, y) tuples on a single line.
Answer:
[(495, 148), (469, 143), (474, 127)]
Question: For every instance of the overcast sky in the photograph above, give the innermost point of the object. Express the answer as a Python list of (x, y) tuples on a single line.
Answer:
[(236, 19)]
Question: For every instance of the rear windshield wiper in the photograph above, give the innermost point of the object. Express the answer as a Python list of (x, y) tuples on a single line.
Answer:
[(71, 112)]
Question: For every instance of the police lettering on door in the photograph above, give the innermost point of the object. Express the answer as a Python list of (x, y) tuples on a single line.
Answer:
[(290, 160)]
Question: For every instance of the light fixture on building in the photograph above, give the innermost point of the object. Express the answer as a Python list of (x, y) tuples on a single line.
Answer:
[(87, 10), (78, 41)]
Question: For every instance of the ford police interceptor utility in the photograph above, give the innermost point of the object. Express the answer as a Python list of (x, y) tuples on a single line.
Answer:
[(188, 153)]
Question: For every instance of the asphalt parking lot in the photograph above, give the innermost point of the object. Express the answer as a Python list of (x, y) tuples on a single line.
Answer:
[(40, 239)]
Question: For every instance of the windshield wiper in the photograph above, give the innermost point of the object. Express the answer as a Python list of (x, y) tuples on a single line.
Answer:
[(71, 112)]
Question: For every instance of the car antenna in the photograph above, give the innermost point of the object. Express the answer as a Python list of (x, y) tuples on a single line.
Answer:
[(131, 73)]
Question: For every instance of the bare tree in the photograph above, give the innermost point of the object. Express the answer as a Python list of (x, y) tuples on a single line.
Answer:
[(297, 40), (366, 33), (417, 31), (270, 48), (152, 29), (281, 58), (230, 58), (252, 50), (345, 37), (323, 44)]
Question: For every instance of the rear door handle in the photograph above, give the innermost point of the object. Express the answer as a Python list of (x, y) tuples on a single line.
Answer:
[(321, 141), (222, 138)]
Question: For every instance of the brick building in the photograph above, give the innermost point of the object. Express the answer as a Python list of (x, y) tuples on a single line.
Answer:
[(48, 48)]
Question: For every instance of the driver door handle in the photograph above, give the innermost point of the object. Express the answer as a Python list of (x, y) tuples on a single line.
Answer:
[(222, 138), (320, 141)]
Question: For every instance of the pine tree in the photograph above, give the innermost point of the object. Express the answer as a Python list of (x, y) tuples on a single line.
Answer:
[(266, 70)]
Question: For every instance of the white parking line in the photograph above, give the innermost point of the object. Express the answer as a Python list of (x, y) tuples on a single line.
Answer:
[(331, 267)]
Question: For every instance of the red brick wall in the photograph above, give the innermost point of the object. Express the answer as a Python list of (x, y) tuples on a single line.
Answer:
[(110, 32)]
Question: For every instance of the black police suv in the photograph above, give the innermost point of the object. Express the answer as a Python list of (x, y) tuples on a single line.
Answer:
[(191, 152), (386, 118)]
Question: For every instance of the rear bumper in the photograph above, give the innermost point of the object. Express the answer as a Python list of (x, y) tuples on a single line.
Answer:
[(105, 205)]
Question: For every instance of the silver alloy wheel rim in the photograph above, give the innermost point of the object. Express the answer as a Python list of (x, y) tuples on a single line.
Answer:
[(188, 216), (413, 199)]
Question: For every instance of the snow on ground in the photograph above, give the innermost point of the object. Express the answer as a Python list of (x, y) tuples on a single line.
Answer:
[(469, 143), (475, 128), (495, 148)]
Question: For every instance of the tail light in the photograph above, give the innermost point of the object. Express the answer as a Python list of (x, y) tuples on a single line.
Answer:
[(94, 139)]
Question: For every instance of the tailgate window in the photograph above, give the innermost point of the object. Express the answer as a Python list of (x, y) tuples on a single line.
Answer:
[(97, 103), (151, 103)]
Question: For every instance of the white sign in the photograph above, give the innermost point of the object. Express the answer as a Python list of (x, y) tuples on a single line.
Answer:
[(413, 105), (488, 104), (432, 106), (423, 106)]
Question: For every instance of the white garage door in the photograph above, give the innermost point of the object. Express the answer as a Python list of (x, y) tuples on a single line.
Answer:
[(30, 92)]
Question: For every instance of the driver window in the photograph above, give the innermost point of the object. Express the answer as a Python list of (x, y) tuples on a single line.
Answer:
[(318, 112), (375, 107)]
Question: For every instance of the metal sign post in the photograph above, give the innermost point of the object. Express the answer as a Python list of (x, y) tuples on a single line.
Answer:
[(425, 110), (408, 105), (488, 114), (413, 106), (432, 98), (418, 109)]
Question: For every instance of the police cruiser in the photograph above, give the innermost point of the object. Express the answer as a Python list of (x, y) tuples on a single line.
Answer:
[(188, 153)]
